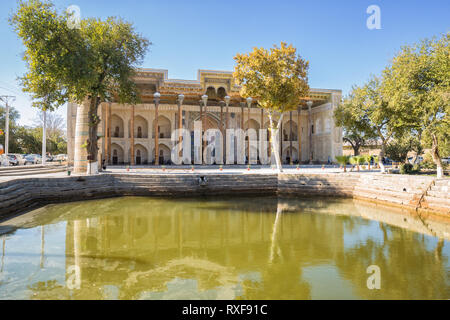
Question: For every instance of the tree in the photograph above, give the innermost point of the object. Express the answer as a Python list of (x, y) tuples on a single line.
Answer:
[(418, 82), (357, 129), (368, 160), (398, 149), (55, 124), (14, 116), (343, 161), (29, 140), (92, 64), (278, 79), (381, 117)]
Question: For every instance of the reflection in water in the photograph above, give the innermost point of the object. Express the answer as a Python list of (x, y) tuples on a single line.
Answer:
[(239, 248)]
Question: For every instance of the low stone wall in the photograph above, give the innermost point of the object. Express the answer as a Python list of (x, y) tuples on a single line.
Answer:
[(413, 192)]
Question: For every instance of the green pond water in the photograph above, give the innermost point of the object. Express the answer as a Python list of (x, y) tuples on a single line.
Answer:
[(231, 248)]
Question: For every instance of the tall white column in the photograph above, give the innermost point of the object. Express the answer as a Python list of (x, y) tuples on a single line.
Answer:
[(44, 139), (7, 129)]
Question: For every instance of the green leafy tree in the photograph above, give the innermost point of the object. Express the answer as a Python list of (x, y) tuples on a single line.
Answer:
[(418, 82), (90, 64), (29, 140), (278, 79), (378, 114), (14, 116), (349, 115), (398, 149)]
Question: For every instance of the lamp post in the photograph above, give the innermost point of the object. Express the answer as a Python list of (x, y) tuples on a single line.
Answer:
[(205, 104), (249, 104), (227, 122), (310, 124), (6, 99), (180, 120), (157, 97), (44, 139)]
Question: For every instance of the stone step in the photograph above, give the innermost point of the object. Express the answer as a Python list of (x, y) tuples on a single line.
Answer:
[(443, 182)]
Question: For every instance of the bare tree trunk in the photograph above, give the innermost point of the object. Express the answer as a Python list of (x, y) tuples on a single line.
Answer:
[(274, 140), (275, 250), (437, 157), (92, 142)]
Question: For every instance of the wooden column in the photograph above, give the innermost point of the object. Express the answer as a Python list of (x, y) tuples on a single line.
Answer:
[(180, 126), (281, 141), (133, 162), (242, 117), (202, 119), (107, 133), (290, 139), (222, 129), (221, 118), (261, 127), (310, 125), (156, 135), (248, 137), (227, 124), (299, 135)]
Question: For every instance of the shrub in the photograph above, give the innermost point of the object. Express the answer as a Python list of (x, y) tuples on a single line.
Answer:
[(428, 162), (406, 168)]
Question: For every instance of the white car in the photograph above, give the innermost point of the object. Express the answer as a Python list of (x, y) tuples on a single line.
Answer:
[(20, 158), (446, 160), (33, 159)]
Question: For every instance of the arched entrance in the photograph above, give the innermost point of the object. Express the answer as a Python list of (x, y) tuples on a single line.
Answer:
[(164, 154), (138, 158), (164, 127), (117, 126), (117, 154)]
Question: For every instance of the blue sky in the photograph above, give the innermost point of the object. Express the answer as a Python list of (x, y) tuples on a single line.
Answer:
[(191, 35)]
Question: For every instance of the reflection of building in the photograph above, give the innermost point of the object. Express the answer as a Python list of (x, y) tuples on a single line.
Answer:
[(151, 134)]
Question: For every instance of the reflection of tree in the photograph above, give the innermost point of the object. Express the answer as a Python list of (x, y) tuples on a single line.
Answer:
[(409, 270), (275, 250), (278, 274)]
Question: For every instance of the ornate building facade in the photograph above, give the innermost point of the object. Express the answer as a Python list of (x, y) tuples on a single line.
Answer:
[(141, 134)]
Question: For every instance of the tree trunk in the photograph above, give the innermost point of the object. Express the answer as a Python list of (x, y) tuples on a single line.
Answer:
[(92, 142), (381, 156), (274, 140), (437, 157)]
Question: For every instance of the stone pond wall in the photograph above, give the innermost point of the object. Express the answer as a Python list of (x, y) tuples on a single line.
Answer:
[(413, 192)]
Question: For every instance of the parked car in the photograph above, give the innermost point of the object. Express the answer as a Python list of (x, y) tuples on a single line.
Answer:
[(61, 157), (13, 160), (33, 159), (446, 160), (418, 160), (20, 158)]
